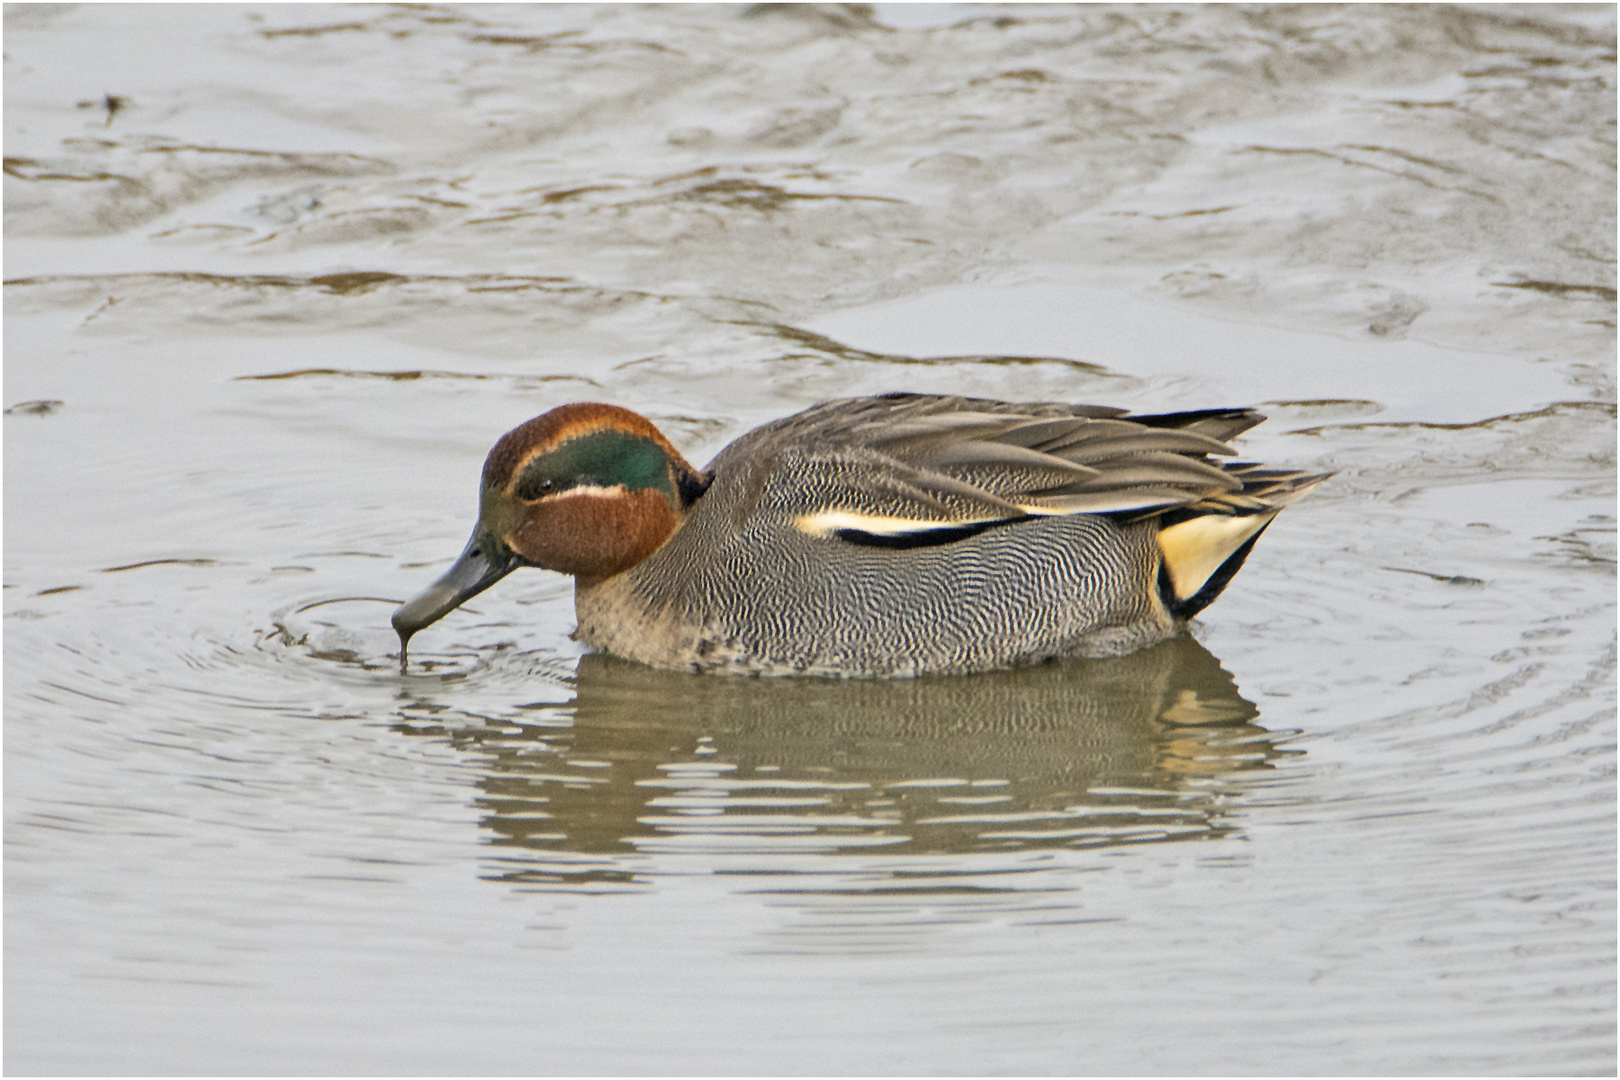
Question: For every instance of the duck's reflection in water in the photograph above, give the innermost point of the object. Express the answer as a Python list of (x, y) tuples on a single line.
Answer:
[(759, 775)]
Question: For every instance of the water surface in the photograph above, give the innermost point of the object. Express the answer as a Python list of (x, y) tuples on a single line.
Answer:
[(276, 278)]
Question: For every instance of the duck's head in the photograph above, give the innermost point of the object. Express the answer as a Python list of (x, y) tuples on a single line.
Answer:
[(586, 489)]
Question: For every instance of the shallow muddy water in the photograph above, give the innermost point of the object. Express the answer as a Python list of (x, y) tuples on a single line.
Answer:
[(277, 277)]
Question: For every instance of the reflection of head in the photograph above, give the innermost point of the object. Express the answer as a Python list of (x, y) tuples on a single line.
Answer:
[(1080, 753)]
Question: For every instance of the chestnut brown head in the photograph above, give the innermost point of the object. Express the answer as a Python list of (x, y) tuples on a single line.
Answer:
[(586, 489)]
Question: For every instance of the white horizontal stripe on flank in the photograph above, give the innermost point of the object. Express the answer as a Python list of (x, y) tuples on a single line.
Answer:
[(827, 522)]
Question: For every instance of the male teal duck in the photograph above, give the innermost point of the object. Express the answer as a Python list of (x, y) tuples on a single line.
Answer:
[(877, 536)]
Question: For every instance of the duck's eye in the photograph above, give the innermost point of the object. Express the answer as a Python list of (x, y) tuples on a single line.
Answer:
[(532, 486)]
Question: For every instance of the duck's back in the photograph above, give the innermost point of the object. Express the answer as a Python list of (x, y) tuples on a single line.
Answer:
[(910, 533)]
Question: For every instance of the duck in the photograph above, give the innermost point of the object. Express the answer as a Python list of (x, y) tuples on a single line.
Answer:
[(890, 536)]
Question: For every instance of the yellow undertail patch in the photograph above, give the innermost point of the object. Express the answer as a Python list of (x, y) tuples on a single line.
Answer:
[(1194, 549)]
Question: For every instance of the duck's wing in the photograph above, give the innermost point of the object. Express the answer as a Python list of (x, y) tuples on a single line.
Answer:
[(915, 470)]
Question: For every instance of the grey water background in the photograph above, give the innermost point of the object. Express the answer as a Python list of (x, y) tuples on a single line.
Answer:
[(276, 278)]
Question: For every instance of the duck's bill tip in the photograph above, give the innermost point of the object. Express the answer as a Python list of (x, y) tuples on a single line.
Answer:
[(424, 609), (475, 571)]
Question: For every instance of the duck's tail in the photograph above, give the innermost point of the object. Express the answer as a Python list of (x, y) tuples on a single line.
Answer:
[(1202, 545)]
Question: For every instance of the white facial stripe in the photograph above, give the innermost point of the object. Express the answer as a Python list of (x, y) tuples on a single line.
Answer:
[(589, 491)]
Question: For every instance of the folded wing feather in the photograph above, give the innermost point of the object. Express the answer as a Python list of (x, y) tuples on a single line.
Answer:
[(932, 469)]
